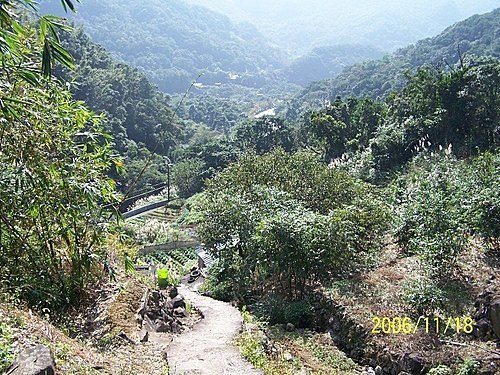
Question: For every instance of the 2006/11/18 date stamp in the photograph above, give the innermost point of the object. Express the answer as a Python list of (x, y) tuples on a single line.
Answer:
[(407, 326)]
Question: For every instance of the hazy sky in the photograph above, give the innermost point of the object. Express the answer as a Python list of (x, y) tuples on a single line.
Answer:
[(302, 24)]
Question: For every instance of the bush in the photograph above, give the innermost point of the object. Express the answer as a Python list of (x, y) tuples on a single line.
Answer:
[(482, 197), (425, 297), (468, 367), (6, 350), (277, 310), (431, 221), (440, 201), (54, 161), (261, 219)]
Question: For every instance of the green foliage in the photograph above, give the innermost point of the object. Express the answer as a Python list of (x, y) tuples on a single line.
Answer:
[(430, 218), (6, 350), (468, 367), (440, 201), (345, 126), (481, 196), (53, 183), (288, 219), (277, 310), (378, 78), (54, 158), (187, 177), (440, 370), (174, 42), (180, 256), (327, 62), (251, 348), (425, 296), (263, 135), (13, 37), (300, 174), (137, 114)]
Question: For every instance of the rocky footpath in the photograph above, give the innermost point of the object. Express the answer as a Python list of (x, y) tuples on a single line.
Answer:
[(208, 348)]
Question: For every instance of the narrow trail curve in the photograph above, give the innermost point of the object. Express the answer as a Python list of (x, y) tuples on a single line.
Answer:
[(208, 348)]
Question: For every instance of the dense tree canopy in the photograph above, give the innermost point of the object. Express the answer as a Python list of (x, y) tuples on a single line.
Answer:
[(377, 78)]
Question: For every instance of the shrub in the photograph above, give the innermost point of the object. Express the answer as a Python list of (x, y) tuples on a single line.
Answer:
[(277, 310), (424, 296), (6, 350), (482, 197), (468, 367), (431, 222), (261, 220), (54, 160)]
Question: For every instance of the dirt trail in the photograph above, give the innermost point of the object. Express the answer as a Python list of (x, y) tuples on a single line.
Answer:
[(208, 348)]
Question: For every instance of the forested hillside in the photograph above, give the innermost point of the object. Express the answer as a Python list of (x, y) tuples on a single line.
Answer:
[(327, 62), (174, 42), (139, 116), (477, 35), (300, 26)]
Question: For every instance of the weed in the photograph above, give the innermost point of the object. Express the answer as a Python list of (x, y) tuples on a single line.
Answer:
[(468, 367), (440, 370), (6, 352)]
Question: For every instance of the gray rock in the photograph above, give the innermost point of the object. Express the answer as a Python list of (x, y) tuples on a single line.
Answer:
[(162, 327), (172, 293), (482, 326), (148, 325), (155, 295), (176, 328), (356, 353), (177, 301), (290, 327), (37, 360), (495, 315), (288, 357), (180, 312), (378, 370), (143, 335)]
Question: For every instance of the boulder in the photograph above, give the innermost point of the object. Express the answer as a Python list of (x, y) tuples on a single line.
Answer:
[(290, 327), (482, 326), (495, 315), (36, 360)]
